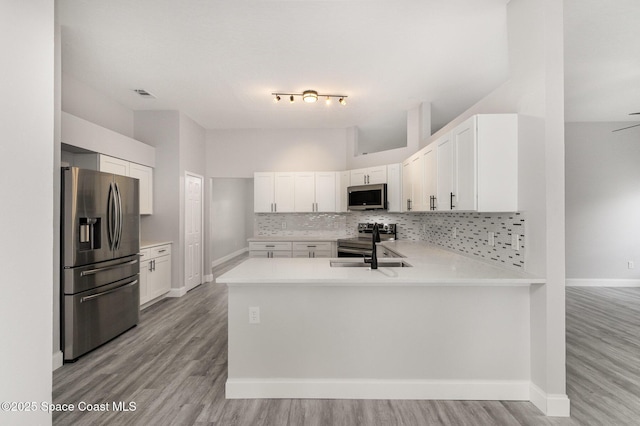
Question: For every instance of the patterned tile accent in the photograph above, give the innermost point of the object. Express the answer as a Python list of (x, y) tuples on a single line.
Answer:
[(432, 227)]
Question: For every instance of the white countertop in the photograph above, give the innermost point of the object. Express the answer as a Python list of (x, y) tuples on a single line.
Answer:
[(430, 266), (149, 244), (297, 238)]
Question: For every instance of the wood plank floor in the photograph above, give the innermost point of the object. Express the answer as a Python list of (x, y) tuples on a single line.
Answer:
[(173, 365)]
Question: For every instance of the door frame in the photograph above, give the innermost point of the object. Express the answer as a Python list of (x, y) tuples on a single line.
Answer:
[(188, 174)]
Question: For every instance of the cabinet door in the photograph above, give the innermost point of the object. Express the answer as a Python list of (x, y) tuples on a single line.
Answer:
[(406, 185), (377, 174), (343, 180), (281, 254), (429, 178), (358, 177), (325, 190), (417, 197), (159, 281), (283, 196), (144, 277), (263, 192), (259, 253), (304, 192), (465, 166), (145, 175), (114, 165), (444, 185), (394, 187)]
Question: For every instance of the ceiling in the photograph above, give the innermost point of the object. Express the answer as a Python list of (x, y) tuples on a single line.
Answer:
[(219, 61)]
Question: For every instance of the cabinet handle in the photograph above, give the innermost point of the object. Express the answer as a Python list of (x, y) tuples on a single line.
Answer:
[(270, 245), (311, 246), (162, 251), (451, 201), (275, 207)]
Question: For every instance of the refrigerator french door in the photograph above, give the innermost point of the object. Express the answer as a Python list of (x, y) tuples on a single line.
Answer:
[(100, 259)]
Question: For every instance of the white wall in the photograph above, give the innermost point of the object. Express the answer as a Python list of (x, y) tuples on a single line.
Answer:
[(27, 128), (232, 210), (161, 129), (602, 200), (240, 153), (85, 102)]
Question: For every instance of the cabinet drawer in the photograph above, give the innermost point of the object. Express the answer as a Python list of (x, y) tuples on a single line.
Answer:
[(145, 255), (312, 246), (160, 251), (270, 246)]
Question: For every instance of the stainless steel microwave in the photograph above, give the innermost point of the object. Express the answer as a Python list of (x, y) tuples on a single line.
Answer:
[(367, 197)]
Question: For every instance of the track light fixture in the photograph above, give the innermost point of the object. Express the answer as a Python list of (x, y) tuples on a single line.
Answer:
[(310, 96)]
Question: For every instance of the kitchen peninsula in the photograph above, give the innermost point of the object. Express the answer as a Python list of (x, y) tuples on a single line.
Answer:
[(447, 327)]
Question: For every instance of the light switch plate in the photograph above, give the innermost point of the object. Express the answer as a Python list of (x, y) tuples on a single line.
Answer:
[(254, 315), (515, 242)]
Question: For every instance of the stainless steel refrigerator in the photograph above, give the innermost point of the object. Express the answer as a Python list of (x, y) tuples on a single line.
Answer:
[(100, 268)]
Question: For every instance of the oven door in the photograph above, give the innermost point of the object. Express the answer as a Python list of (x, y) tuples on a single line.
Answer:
[(353, 252)]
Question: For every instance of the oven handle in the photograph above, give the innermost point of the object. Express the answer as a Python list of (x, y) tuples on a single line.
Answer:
[(353, 251)]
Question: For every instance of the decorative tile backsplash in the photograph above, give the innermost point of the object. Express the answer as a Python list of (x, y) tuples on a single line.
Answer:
[(432, 227)]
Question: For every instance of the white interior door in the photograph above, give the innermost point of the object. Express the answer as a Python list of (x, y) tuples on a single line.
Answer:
[(193, 231)]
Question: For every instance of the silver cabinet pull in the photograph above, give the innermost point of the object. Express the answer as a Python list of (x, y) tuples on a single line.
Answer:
[(94, 296), (106, 268)]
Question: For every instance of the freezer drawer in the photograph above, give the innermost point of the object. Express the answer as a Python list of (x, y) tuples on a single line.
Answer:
[(94, 317), (83, 278)]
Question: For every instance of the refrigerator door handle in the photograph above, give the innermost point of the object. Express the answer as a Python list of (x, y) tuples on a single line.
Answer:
[(119, 216), (106, 268), (93, 296), (111, 216)]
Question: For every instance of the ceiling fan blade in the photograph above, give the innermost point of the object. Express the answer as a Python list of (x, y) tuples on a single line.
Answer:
[(625, 128)]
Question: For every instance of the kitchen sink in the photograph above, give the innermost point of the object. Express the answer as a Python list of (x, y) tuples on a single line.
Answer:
[(361, 264)]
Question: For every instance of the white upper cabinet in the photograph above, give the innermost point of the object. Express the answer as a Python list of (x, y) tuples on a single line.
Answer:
[(444, 172), (286, 192), (113, 165), (464, 137), (412, 183), (394, 187), (305, 191), (145, 175), (326, 192), (485, 164), (283, 189), (429, 178), (263, 192), (369, 176)]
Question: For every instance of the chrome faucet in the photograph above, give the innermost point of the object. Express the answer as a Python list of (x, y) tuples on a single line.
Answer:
[(375, 238)]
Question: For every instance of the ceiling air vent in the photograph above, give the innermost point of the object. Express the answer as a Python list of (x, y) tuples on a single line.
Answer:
[(144, 93)]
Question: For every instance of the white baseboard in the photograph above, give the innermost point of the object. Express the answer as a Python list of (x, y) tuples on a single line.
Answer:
[(554, 405), (228, 257), (602, 282), (378, 389), (58, 360), (177, 292), (208, 278)]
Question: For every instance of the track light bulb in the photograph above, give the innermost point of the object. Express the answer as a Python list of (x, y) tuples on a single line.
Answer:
[(276, 99), (328, 100), (342, 101), (291, 99)]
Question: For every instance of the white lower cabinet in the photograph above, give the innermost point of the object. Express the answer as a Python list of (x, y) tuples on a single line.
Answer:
[(308, 249), (270, 249), (155, 272), (312, 249)]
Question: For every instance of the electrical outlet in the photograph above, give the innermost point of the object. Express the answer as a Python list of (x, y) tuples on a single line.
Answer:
[(254, 315), (630, 264), (284, 225), (454, 232), (491, 238), (515, 242)]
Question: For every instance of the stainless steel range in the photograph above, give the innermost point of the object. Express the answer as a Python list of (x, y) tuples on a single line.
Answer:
[(360, 246)]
